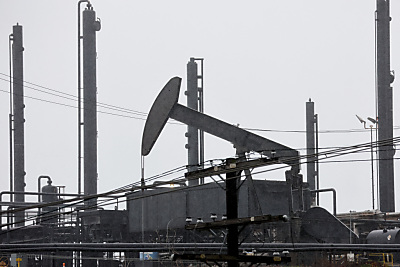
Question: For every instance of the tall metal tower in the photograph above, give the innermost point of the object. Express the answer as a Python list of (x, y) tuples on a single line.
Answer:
[(195, 101), (90, 24), (18, 119), (311, 121), (192, 133), (385, 108)]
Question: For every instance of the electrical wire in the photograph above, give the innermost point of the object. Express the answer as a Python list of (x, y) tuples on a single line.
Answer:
[(143, 115), (99, 104), (156, 177), (180, 179), (73, 97), (71, 106), (319, 131), (330, 154), (81, 200)]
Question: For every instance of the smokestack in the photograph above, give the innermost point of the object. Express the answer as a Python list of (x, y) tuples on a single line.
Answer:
[(90, 26), (19, 120), (192, 133), (385, 108)]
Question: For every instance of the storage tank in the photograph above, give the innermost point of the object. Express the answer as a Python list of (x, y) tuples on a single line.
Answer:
[(385, 236), (49, 189), (49, 213)]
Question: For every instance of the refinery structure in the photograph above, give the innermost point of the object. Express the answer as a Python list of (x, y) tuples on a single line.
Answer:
[(222, 212)]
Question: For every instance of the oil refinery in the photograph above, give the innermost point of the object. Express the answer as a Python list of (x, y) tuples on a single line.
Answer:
[(262, 204)]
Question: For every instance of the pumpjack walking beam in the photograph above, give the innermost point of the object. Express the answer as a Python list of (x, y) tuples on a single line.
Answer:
[(166, 106)]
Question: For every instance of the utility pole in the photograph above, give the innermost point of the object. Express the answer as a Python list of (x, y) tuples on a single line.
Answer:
[(232, 180)]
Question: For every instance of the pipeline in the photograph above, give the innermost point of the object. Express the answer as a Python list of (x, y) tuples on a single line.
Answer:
[(334, 196), (260, 247)]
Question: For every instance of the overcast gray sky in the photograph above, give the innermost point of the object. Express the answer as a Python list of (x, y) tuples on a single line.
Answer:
[(263, 61)]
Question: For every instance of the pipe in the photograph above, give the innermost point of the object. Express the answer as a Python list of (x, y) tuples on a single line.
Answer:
[(261, 247), (201, 109), (372, 170), (10, 118), (26, 204), (334, 196), (317, 153), (8, 218), (79, 99), (10, 125), (37, 193)]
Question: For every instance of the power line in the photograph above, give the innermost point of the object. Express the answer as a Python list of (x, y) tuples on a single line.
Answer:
[(71, 106), (74, 97), (79, 200), (328, 154), (101, 105), (144, 114), (135, 186), (319, 131)]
